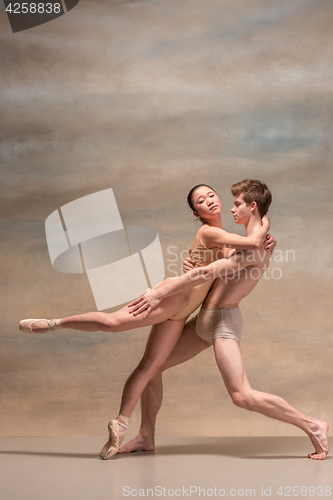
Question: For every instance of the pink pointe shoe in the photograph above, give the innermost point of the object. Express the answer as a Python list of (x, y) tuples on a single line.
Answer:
[(26, 325), (115, 432)]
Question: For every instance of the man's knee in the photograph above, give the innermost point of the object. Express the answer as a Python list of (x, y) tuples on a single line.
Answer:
[(243, 400)]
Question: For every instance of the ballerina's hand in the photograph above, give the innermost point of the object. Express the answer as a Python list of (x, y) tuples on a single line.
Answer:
[(146, 302)]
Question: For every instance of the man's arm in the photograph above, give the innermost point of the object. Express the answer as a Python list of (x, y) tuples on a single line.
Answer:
[(269, 245), (151, 298)]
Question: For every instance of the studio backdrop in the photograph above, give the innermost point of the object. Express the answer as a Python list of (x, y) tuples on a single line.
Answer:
[(111, 112)]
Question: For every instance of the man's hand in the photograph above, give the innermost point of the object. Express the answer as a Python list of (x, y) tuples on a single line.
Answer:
[(146, 302), (269, 244)]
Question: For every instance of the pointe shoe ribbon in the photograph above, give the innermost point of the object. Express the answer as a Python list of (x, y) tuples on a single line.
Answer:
[(26, 325), (115, 432)]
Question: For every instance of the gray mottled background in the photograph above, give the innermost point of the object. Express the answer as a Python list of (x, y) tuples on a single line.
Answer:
[(150, 98)]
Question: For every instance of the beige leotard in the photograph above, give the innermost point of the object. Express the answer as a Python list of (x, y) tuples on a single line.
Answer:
[(202, 257)]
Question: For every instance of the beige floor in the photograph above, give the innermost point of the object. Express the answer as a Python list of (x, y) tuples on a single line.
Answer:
[(61, 468)]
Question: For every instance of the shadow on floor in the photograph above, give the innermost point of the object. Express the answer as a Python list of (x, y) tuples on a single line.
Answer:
[(250, 448)]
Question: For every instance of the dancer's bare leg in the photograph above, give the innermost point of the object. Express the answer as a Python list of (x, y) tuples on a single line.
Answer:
[(188, 346), (121, 320), (231, 365), (161, 341)]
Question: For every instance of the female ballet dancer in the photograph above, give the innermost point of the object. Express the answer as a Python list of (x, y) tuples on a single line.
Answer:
[(207, 247)]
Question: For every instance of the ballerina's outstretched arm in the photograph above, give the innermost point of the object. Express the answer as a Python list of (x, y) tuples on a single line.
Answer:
[(151, 299)]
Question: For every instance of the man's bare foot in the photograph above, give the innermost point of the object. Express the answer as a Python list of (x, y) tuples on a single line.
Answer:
[(138, 443), (319, 440)]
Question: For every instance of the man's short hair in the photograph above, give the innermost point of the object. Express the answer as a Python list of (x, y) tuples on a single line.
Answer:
[(253, 190)]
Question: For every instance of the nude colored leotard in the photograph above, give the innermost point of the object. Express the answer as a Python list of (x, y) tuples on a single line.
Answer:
[(202, 256)]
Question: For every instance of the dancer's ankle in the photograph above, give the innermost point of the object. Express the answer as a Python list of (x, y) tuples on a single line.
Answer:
[(57, 323), (124, 421), (146, 433)]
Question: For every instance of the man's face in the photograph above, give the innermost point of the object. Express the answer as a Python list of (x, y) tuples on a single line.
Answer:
[(241, 211)]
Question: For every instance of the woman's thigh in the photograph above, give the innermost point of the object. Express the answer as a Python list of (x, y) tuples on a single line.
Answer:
[(161, 341), (187, 347), (123, 320)]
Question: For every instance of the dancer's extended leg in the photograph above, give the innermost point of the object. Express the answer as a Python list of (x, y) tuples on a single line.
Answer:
[(188, 346), (118, 321), (231, 365)]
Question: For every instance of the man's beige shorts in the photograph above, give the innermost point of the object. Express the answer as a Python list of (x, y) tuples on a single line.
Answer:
[(212, 324)]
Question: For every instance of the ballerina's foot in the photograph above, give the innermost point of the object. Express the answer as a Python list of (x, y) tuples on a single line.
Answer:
[(105, 448), (320, 441), (33, 326), (112, 445), (138, 443), (116, 435)]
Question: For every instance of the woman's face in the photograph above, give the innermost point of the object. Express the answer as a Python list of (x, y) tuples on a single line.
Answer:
[(206, 202)]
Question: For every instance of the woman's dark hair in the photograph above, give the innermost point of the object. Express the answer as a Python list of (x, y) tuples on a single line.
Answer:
[(189, 196)]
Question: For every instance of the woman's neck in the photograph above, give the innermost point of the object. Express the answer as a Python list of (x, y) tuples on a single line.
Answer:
[(213, 222)]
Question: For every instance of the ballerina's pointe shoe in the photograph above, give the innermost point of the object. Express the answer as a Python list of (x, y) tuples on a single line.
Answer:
[(115, 432), (26, 325)]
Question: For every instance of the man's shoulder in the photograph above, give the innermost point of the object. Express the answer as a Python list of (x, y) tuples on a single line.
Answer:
[(255, 258)]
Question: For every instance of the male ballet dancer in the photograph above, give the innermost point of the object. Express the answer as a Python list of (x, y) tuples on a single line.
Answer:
[(219, 323)]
